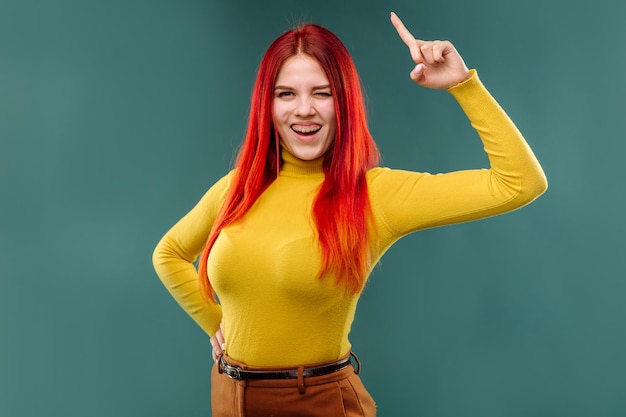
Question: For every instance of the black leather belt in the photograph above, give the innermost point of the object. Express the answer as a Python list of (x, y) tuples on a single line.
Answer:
[(238, 373)]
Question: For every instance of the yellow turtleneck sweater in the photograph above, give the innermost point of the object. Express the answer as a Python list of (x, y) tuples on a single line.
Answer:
[(275, 310)]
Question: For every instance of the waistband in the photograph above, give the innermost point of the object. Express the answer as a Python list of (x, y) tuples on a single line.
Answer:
[(238, 371)]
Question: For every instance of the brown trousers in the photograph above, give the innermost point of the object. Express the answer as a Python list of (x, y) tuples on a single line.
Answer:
[(339, 394)]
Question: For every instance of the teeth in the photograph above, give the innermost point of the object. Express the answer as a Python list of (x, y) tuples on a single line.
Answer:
[(306, 129)]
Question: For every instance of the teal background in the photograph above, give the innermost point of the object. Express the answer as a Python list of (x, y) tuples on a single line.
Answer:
[(116, 116)]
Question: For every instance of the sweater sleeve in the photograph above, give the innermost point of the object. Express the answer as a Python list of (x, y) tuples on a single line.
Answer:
[(176, 252), (409, 201)]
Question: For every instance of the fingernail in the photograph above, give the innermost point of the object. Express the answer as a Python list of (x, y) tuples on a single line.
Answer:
[(223, 346)]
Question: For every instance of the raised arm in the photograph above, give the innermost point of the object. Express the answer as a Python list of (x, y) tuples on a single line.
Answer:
[(410, 201)]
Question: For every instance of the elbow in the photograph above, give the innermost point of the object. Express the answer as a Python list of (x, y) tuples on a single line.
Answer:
[(540, 183), (161, 257), (533, 188), (543, 187), (168, 259), (157, 257)]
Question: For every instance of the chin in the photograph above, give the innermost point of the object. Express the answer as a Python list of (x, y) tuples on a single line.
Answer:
[(306, 156)]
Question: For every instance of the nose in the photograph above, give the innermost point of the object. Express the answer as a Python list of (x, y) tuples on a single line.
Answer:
[(305, 107)]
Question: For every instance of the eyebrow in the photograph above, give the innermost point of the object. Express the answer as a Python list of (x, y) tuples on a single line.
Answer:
[(319, 87)]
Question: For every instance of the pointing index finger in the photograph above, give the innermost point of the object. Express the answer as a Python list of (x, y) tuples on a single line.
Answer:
[(408, 39), (404, 33)]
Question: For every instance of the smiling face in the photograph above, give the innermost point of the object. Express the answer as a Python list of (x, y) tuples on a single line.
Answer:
[(303, 110)]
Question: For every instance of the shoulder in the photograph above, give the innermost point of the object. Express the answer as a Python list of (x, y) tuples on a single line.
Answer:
[(216, 193), (384, 176), (224, 183), (387, 184)]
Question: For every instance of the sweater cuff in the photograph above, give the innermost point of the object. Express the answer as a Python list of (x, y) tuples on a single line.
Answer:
[(472, 82), (472, 95)]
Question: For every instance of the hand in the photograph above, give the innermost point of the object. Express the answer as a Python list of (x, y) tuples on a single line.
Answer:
[(438, 64), (218, 343)]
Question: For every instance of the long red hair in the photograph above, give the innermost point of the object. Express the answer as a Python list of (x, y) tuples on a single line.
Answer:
[(341, 209)]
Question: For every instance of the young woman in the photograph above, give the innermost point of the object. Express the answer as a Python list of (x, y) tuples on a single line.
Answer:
[(288, 238)]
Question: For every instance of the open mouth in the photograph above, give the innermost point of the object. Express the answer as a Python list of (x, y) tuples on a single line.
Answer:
[(306, 130)]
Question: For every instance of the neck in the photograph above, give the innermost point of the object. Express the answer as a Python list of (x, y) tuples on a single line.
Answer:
[(293, 165)]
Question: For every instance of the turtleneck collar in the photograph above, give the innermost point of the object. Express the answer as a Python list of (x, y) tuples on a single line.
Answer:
[(295, 166)]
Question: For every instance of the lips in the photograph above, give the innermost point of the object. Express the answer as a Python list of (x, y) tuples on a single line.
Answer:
[(306, 129)]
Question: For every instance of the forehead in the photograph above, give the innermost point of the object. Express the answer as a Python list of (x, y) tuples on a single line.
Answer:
[(299, 69)]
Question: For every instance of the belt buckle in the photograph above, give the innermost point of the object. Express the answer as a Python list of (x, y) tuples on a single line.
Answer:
[(231, 371)]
